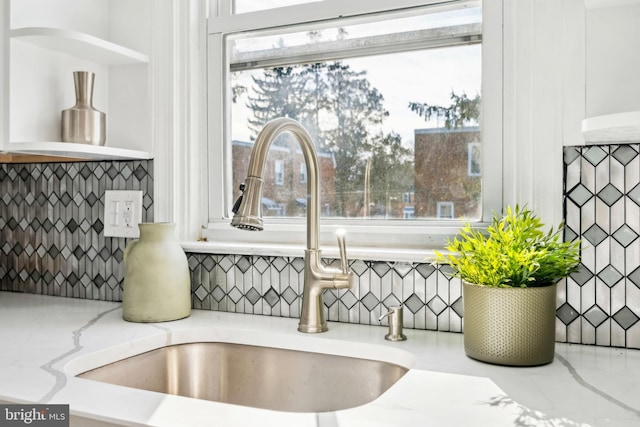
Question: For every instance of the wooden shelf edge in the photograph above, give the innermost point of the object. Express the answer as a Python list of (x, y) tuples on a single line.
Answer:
[(35, 158)]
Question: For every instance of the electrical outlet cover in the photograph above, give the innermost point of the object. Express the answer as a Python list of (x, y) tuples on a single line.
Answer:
[(122, 213)]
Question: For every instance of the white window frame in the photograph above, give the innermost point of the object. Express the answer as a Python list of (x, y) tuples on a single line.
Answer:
[(364, 236)]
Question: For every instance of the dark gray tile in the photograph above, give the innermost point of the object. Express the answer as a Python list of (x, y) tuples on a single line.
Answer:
[(567, 314), (626, 318)]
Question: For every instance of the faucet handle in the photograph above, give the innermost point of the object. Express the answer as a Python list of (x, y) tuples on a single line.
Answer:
[(342, 247)]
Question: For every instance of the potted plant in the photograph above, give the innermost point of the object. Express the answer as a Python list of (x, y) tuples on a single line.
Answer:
[(509, 273)]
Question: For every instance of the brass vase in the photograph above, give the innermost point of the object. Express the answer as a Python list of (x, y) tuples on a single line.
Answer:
[(509, 326), (82, 123)]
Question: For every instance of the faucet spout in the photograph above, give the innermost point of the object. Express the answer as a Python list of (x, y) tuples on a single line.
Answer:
[(248, 215)]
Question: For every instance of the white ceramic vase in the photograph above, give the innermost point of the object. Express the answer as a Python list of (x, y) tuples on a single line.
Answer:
[(157, 285)]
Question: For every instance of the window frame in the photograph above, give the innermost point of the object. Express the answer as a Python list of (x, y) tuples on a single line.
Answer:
[(411, 235)]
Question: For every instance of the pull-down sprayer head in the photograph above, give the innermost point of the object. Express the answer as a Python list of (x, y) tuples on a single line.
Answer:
[(248, 207)]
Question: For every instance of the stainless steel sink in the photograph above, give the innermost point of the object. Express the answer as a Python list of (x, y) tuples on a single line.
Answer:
[(261, 377)]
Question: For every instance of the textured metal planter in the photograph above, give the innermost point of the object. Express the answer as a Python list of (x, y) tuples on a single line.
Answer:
[(509, 326)]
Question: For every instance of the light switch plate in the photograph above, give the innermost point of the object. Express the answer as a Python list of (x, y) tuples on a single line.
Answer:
[(122, 213)]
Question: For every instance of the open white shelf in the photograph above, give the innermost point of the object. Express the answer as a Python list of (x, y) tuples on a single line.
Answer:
[(80, 45), (612, 128), (80, 151)]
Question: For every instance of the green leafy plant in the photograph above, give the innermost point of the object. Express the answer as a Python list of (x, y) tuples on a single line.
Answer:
[(514, 251)]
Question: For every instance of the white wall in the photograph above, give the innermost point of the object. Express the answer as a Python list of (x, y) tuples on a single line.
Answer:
[(543, 99), (41, 80), (42, 86), (613, 58), (4, 75), (130, 24), (129, 122), (87, 16)]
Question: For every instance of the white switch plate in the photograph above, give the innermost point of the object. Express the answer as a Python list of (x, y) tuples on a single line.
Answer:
[(122, 213)]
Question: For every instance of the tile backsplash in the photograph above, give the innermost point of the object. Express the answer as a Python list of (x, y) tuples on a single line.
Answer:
[(52, 243), (273, 286), (601, 303), (51, 226)]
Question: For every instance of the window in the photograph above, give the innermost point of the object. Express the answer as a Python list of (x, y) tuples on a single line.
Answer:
[(379, 91), (342, 83), (279, 172), (445, 210), (408, 212), (473, 159), (303, 173)]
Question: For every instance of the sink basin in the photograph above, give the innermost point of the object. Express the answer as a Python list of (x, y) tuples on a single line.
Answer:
[(260, 377)]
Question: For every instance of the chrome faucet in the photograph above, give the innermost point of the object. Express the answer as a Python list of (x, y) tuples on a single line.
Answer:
[(248, 216)]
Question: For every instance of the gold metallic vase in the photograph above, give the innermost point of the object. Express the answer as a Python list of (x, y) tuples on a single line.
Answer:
[(509, 326), (82, 123)]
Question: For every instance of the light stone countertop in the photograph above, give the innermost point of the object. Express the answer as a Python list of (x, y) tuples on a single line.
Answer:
[(47, 340)]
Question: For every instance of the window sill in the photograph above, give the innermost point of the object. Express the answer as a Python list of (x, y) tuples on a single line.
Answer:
[(375, 241), (264, 249)]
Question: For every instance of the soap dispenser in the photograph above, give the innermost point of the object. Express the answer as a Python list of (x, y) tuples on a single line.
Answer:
[(395, 324)]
